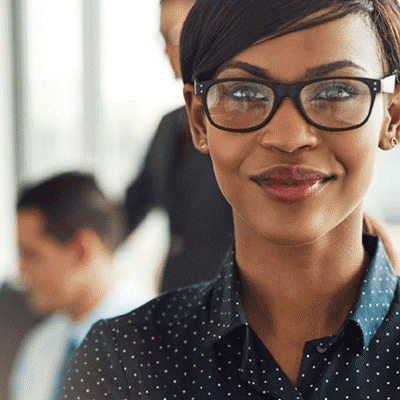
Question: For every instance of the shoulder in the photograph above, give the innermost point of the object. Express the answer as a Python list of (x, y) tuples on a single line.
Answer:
[(174, 114), (181, 310), (167, 131), (175, 308), (15, 310), (11, 297), (172, 120), (171, 315), (116, 351)]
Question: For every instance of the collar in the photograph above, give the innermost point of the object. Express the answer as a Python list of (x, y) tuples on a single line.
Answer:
[(377, 291), (366, 316)]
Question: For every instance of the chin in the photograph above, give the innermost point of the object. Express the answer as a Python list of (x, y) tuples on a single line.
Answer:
[(293, 239), (297, 234)]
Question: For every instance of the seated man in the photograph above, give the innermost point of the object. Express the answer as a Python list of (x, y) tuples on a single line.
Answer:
[(67, 234)]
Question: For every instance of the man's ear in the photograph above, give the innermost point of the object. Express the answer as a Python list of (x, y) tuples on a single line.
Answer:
[(197, 118), (391, 135), (83, 243)]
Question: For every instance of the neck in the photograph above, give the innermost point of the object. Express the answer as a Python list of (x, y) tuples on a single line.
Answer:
[(85, 304), (101, 279), (301, 292)]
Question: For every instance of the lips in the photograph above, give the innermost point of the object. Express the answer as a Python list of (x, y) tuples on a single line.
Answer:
[(291, 183)]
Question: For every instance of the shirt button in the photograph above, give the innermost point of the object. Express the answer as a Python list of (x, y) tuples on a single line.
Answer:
[(321, 349)]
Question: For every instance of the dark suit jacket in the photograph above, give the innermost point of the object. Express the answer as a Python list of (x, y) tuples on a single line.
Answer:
[(183, 183), (16, 320)]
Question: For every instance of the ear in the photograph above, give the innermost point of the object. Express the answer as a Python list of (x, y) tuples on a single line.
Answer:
[(393, 127), (197, 118), (82, 245)]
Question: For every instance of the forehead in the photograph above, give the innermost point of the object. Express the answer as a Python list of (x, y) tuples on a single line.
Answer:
[(289, 56), (31, 219), (30, 225)]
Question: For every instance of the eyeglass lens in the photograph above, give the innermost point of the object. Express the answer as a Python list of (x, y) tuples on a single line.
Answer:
[(330, 103)]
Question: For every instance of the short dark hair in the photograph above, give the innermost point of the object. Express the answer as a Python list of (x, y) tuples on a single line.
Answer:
[(72, 201), (217, 30)]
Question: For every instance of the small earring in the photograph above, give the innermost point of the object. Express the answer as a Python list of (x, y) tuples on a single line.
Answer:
[(394, 142), (203, 144)]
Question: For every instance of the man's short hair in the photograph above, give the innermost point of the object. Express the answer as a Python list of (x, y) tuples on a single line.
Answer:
[(72, 201)]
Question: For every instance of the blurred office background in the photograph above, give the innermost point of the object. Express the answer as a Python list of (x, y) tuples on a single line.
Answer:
[(83, 85)]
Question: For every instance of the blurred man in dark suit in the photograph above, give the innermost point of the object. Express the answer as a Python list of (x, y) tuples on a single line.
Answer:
[(179, 179)]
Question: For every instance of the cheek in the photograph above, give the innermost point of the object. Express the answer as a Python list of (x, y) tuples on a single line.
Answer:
[(54, 280), (54, 267), (228, 152), (365, 146), (357, 151)]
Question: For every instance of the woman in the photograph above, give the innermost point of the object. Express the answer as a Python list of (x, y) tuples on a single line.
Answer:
[(292, 100)]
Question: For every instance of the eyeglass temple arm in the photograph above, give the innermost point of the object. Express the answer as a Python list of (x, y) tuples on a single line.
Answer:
[(388, 84), (196, 87)]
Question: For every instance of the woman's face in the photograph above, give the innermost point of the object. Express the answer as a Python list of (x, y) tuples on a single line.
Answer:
[(258, 171)]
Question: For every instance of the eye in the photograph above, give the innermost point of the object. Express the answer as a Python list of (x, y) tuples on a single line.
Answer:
[(334, 92), (246, 93), (243, 95)]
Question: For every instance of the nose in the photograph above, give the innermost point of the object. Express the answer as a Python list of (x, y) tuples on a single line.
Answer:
[(288, 132)]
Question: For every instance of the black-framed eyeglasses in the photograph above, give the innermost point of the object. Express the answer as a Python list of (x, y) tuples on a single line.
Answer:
[(331, 104)]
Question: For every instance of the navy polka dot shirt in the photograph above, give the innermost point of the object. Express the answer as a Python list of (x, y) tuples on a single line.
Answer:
[(195, 344)]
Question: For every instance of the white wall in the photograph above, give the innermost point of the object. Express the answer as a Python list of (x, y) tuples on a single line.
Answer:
[(130, 65), (7, 170)]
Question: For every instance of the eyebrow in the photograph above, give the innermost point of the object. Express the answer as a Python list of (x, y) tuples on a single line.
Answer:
[(314, 72)]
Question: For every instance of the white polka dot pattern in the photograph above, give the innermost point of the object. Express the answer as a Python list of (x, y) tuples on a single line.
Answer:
[(195, 344)]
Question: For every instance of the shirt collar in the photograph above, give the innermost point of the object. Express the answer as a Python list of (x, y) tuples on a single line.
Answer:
[(367, 313), (377, 291)]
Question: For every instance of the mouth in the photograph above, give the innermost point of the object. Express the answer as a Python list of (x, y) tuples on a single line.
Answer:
[(291, 184)]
